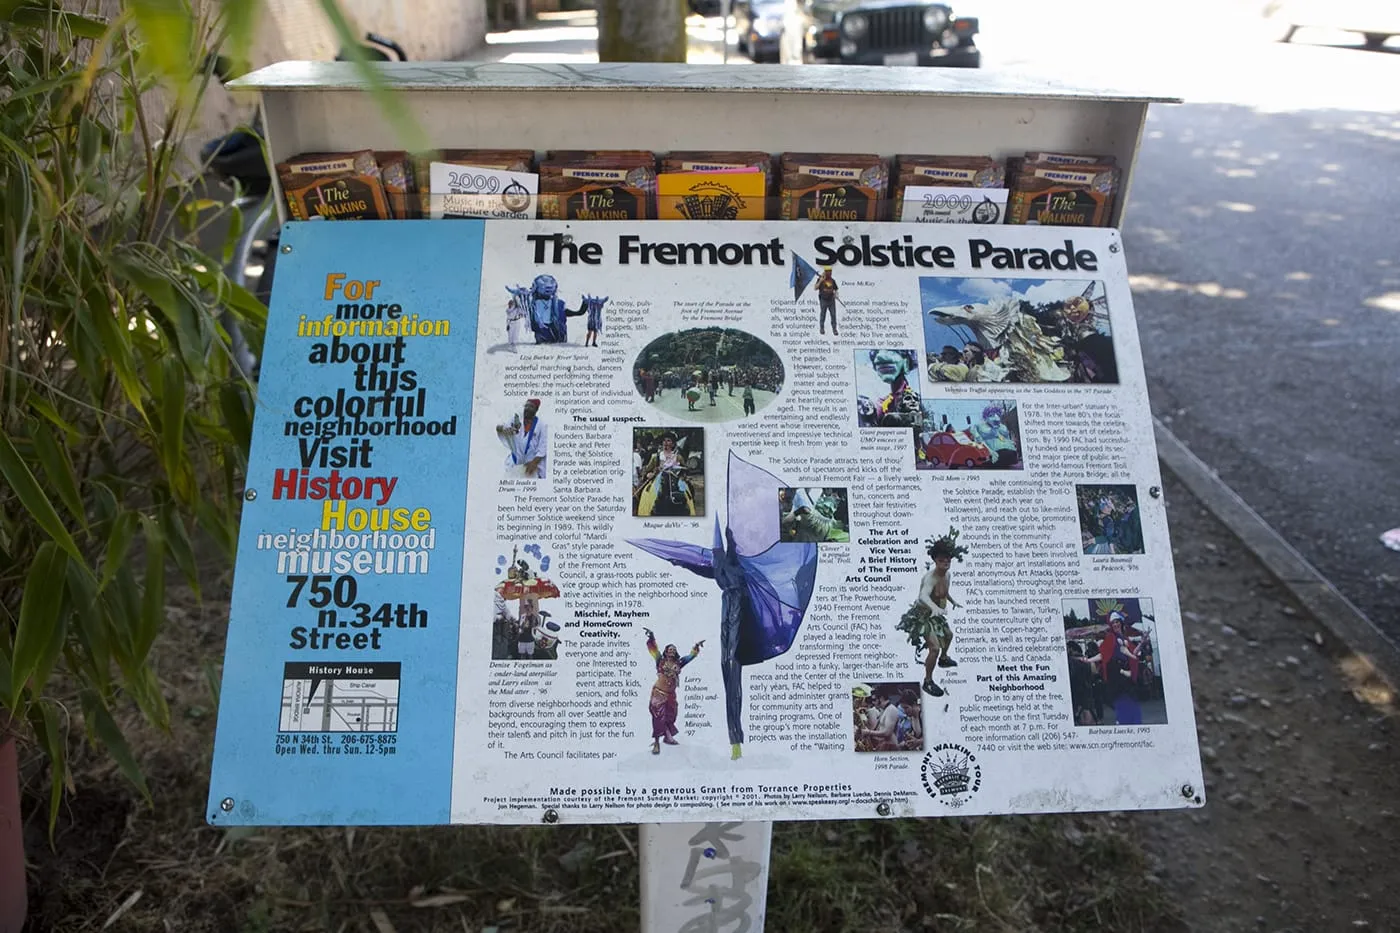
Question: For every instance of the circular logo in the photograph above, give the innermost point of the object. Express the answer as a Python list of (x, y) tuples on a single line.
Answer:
[(951, 775), (515, 198), (986, 212)]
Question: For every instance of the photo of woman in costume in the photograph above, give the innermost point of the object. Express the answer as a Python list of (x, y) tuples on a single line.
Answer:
[(672, 476), (925, 621), (664, 706), (1115, 677)]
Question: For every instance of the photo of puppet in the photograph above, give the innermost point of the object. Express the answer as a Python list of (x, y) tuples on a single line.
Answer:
[(526, 437), (815, 515), (765, 583), (1109, 520), (926, 621), (521, 630), (1017, 330), (668, 471), (1115, 677), (970, 434), (887, 717), (887, 389), (664, 705), (709, 374), (539, 307)]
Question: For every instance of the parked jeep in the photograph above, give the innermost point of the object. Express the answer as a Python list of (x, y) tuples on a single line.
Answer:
[(878, 32)]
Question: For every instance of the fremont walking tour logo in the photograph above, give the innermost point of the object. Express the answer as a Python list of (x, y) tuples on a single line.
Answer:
[(951, 774)]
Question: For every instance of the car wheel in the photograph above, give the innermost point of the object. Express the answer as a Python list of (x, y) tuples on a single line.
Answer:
[(971, 464), (1374, 40)]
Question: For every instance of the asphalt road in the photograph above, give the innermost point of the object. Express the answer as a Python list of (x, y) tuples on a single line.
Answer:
[(726, 407)]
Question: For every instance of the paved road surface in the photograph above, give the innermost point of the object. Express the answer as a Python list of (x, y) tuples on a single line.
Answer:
[(726, 408)]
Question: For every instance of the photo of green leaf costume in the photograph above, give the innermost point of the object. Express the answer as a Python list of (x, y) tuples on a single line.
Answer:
[(924, 622)]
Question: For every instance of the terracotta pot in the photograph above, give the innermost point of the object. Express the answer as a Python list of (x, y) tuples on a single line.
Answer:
[(14, 902)]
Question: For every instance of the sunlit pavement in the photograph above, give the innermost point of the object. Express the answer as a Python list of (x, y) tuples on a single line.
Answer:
[(1263, 237)]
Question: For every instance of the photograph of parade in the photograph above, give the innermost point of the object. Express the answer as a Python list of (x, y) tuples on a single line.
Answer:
[(887, 389), (526, 439), (709, 374), (520, 629), (886, 717), (815, 514), (1115, 677), (668, 471), (537, 311), (1017, 330), (1109, 521), (970, 434)]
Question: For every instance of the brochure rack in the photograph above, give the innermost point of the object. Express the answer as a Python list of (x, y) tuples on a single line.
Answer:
[(325, 107)]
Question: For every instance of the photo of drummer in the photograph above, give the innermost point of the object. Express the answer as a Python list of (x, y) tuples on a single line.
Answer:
[(886, 717), (668, 472)]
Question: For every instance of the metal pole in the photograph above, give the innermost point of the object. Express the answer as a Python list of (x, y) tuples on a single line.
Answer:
[(704, 877)]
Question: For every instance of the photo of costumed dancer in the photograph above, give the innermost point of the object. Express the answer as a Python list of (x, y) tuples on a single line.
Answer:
[(1114, 674), (545, 312), (926, 621), (664, 706), (765, 583), (526, 436), (814, 515), (527, 633), (668, 466), (1109, 520)]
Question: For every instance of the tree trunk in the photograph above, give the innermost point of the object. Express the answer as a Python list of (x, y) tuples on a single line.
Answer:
[(641, 30), (13, 897)]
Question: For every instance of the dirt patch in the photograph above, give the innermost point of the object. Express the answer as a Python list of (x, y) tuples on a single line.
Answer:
[(1302, 768)]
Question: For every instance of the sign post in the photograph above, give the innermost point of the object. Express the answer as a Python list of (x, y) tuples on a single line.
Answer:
[(710, 877)]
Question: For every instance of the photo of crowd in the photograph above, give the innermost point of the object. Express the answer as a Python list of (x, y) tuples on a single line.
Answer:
[(709, 374), (886, 717), (815, 514), (1017, 330), (668, 471), (1109, 521), (1115, 677), (887, 389), (520, 629), (970, 434)]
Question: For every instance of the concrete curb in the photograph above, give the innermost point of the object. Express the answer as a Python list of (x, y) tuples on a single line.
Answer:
[(1331, 609)]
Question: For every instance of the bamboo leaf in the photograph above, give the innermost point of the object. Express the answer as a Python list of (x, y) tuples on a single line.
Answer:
[(92, 626), (153, 593), (45, 408), (179, 314), (31, 496), (233, 402), (118, 541), (106, 731), (44, 722), (39, 610), (172, 423), (240, 20), (59, 471), (168, 28), (177, 542), (39, 16)]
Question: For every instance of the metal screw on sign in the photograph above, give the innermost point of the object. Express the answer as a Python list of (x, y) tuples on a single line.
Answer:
[(1188, 791), (567, 239), (226, 804), (551, 816), (286, 247), (884, 808), (250, 495), (848, 239), (1155, 492), (1113, 247)]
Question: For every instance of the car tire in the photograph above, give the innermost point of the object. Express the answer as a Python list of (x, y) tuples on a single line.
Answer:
[(971, 464), (1374, 40)]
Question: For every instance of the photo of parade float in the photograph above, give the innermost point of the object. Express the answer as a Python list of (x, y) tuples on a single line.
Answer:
[(521, 630), (815, 514), (709, 374), (885, 717), (1115, 676), (970, 434), (1109, 520), (668, 471), (1016, 330)]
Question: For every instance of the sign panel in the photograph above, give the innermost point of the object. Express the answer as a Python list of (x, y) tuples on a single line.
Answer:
[(701, 521)]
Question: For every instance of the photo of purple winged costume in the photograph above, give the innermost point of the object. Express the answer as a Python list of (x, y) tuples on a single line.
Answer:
[(766, 583)]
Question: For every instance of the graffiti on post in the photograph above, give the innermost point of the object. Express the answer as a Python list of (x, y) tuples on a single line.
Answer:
[(723, 907)]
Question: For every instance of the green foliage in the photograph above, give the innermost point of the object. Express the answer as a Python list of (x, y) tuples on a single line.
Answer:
[(123, 422)]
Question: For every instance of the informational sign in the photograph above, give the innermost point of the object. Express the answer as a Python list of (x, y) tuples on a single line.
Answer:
[(631, 522)]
